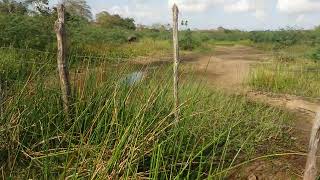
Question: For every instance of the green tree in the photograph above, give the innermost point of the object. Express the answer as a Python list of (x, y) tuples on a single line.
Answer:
[(78, 8), (23, 31), (12, 7), (107, 20)]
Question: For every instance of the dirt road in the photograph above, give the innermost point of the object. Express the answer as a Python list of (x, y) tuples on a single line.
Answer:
[(228, 68)]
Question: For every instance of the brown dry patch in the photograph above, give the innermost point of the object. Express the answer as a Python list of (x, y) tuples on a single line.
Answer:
[(227, 67)]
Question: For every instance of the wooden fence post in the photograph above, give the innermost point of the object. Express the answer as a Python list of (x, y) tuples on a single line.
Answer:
[(175, 29), (1, 100), (61, 59), (311, 166)]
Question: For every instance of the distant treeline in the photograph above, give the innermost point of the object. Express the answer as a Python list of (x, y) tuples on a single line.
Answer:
[(29, 24), (287, 37)]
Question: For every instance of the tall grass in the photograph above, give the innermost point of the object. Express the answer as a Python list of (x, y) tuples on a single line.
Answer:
[(143, 47), (126, 131), (297, 77)]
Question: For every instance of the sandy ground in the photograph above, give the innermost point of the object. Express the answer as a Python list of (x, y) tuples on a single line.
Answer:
[(228, 68)]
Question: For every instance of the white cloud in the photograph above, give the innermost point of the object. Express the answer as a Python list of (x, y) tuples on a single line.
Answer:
[(141, 9), (261, 15), (298, 6), (195, 5), (123, 11), (301, 19), (239, 6), (256, 7), (305, 21), (141, 12), (154, 11)]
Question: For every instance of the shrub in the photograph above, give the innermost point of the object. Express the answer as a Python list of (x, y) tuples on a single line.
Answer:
[(25, 31), (188, 41), (315, 55)]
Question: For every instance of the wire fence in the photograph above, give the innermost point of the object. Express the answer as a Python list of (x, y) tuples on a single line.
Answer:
[(73, 59), (289, 128), (70, 55)]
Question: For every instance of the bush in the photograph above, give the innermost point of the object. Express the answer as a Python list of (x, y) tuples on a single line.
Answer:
[(315, 55), (281, 39), (36, 32), (25, 31), (188, 42)]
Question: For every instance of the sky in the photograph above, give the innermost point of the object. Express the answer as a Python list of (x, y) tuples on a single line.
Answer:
[(210, 14)]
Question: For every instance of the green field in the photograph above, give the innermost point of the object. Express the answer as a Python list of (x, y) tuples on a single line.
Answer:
[(121, 124)]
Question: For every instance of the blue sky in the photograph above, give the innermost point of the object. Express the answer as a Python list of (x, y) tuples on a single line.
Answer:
[(208, 14)]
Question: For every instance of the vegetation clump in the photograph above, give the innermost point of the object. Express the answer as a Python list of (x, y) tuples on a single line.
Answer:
[(188, 41)]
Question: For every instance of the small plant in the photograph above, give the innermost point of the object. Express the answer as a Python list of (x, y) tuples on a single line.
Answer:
[(315, 55)]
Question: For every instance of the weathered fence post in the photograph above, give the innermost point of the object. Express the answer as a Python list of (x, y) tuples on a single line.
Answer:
[(311, 166), (1, 99), (61, 59), (176, 61)]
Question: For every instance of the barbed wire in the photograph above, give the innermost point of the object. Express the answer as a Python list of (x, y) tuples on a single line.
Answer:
[(105, 57), (27, 50), (72, 55)]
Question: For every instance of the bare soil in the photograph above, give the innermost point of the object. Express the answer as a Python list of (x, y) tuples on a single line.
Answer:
[(228, 68)]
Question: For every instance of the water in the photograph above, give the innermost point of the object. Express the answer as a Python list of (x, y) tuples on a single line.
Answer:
[(134, 78)]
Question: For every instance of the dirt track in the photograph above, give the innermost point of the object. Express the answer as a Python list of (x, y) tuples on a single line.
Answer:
[(228, 68)]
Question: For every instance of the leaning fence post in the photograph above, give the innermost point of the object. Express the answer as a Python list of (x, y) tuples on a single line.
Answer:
[(311, 166), (176, 61), (61, 59)]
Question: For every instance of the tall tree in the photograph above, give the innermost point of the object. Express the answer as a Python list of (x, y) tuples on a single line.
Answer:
[(78, 8), (12, 7), (107, 20)]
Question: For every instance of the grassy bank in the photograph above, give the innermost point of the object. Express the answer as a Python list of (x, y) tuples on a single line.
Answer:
[(297, 77), (122, 131)]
